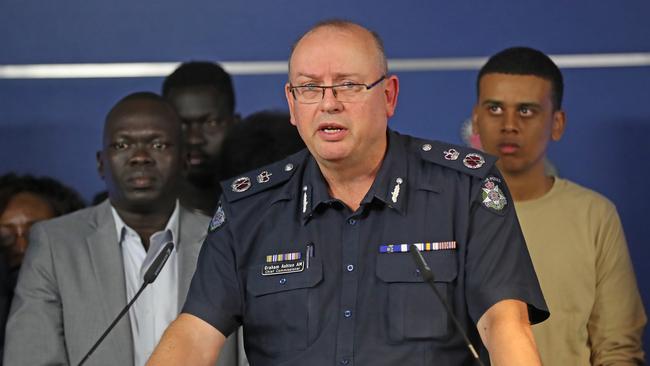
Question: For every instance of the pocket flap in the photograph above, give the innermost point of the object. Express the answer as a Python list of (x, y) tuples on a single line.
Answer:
[(400, 267), (259, 285)]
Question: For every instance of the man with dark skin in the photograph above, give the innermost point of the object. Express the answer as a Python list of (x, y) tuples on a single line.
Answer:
[(80, 269), (25, 200), (574, 235), (203, 96), (141, 180)]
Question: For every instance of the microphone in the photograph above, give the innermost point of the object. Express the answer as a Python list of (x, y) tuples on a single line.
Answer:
[(427, 275), (149, 277)]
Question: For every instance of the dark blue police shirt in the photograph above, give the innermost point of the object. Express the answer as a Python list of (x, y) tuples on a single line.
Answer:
[(314, 283)]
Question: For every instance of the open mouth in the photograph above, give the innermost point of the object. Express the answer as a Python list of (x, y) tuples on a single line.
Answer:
[(195, 158), (331, 129)]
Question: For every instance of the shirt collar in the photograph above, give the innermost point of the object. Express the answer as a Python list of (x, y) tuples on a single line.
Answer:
[(314, 191), (391, 182), (169, 232), (389, 186)]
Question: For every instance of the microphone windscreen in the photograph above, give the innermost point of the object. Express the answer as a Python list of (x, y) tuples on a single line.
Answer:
[(158, 263)]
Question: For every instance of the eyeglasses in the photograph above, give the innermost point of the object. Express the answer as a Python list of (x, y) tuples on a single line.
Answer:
[(348, 92)]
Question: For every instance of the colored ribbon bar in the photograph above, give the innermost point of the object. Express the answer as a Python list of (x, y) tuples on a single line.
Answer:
[(423, 247), (283, 257)]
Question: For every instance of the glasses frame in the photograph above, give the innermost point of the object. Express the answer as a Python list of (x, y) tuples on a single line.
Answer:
[(293, 88)]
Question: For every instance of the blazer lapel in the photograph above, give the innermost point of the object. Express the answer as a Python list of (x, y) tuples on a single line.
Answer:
[(108, 266), (192, 231)]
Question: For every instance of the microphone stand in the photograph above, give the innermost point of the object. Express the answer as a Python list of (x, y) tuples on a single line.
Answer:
[(427, 275), (149, 277)]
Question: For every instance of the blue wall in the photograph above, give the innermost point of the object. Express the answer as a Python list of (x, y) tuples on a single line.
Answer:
[(52, 127)]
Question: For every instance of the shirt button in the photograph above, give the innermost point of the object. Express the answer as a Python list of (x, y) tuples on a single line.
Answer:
[(347, 313), (350, 267), (345, 361), (283, 281), (352, 221)]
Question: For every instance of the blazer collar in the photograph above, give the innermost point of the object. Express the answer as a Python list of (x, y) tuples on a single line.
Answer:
[(192, 229), (106, 258)]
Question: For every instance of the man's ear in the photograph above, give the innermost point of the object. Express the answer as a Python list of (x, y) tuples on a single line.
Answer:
[(290, 101), (559, 123), (100, 164), (391, 91), (475, 129)]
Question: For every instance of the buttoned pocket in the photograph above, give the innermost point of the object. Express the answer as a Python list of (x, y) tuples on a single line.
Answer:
[(279, 308), (413, 312)]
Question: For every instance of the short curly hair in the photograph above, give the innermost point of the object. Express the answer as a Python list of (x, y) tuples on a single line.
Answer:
[(62, 199), (526, 61), (260, 139), (200, 73)]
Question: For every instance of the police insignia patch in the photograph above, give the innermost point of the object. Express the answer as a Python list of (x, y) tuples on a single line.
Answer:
[(218, 219), (492, 195)]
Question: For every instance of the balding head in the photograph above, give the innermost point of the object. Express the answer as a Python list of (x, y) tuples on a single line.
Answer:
[(142, 102), (346, 126), (354, 29)]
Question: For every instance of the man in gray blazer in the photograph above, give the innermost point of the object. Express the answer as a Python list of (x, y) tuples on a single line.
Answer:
[(81, 269)]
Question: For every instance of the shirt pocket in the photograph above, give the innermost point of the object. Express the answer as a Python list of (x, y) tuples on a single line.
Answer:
[(413, 312), (279, 308)]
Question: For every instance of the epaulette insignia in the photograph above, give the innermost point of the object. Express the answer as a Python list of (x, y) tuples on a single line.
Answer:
[(464, 159), (258, 180), (240, 184)]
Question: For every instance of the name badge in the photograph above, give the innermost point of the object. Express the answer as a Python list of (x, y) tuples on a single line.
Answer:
[(283, 268)]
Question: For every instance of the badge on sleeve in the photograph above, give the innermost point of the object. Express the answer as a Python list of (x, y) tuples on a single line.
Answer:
[(218, 219), (492, 194)]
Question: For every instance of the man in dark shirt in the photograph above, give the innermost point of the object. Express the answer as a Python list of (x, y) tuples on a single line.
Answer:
[(203, 96), (309, 253)]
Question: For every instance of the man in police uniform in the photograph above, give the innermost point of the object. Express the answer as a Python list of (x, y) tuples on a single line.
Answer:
[(309, 253)]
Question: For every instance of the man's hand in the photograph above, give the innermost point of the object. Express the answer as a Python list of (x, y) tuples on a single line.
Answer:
[(505, 331), (188, 341)]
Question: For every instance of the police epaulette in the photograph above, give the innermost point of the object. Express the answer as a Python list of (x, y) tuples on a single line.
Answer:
[(260, 179), (464, 159)]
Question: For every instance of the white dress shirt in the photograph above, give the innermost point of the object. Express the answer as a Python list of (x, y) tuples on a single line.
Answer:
[(158, 305)]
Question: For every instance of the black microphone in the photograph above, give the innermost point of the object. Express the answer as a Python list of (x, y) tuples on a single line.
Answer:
[(427, 275), (149, 277)]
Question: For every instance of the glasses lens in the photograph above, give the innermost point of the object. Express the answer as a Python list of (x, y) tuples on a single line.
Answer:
[(349, 93), (309, 94)]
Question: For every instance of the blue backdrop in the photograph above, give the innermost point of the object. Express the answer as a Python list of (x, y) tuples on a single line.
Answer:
[(53, 126)]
